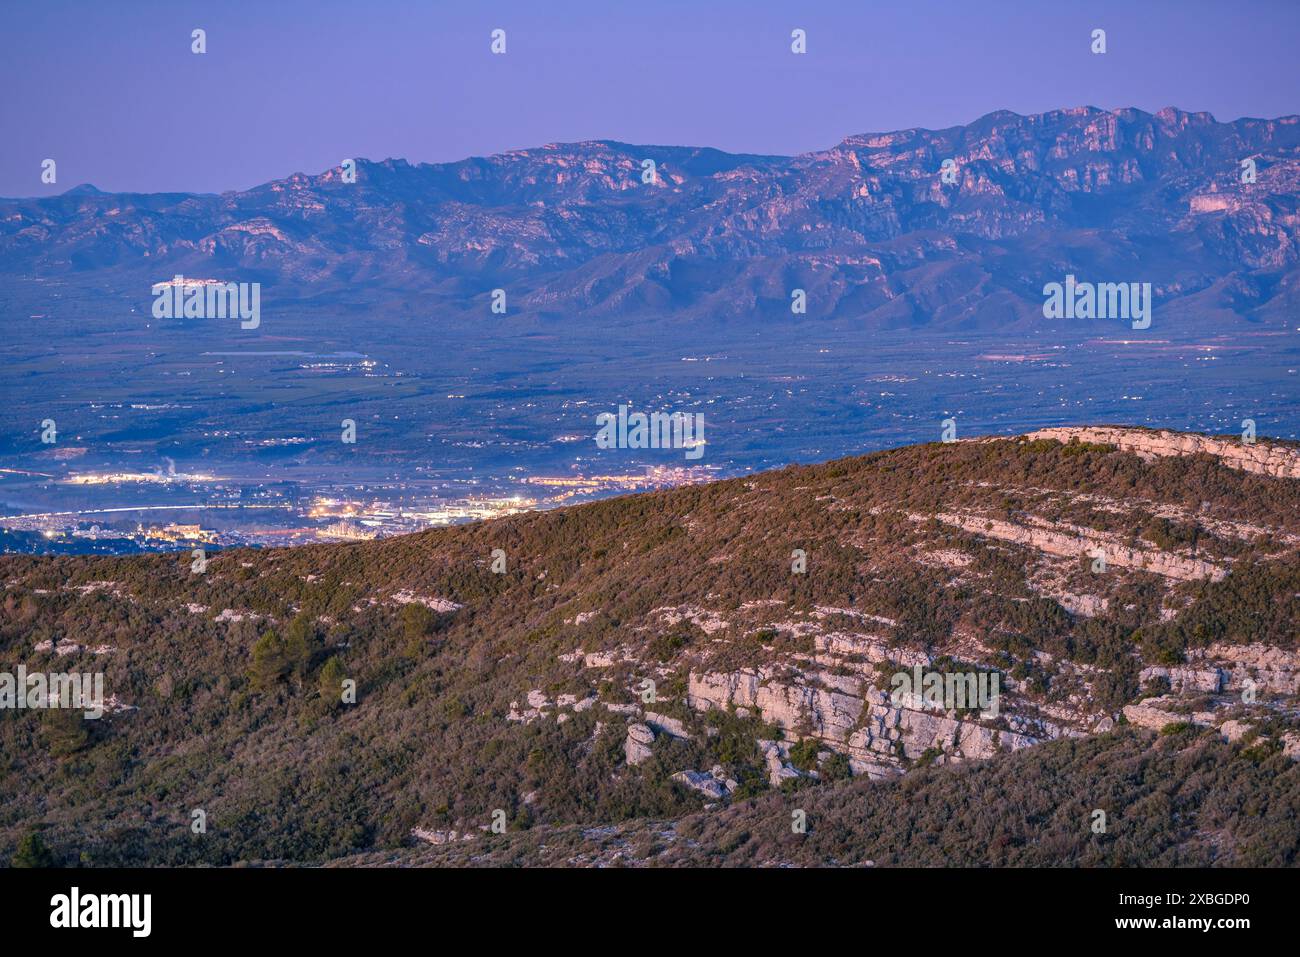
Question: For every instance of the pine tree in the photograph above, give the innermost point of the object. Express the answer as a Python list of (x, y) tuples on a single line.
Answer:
[(32, 852), (299, 641), (270, 661), (330, 682), (64, 731)]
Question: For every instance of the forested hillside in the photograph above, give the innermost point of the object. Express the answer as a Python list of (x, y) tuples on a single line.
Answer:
[(703, 661)]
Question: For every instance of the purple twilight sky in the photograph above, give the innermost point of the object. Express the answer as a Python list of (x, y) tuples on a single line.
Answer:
[(113, 93)]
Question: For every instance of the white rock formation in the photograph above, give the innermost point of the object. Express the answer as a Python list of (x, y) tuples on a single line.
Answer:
[(441, 605), (855, 719), (440, 837), (779, 769), (1186, 679), (707, 621), (1279, 461), (1234, 730), (637, 746), (666, 725), (1155, 713), (1072, 541), (713, 785), (1271, 669)]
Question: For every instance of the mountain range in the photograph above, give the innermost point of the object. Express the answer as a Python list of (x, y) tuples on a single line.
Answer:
[(583, 234)]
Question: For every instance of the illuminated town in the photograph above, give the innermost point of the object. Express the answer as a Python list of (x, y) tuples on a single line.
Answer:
[(223, 513), (119, 478)]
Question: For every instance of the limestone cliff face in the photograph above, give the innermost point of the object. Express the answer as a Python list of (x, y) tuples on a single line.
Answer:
[(1232, 669), (1278, 461), (1068, 541), (852, 717), (858, 720), (1271, 670)]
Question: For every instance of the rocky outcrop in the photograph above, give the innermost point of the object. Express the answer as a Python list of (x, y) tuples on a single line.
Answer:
[(1234, 730), (707, 621), (441, 605), (65, 647), (1265, 458), (440, 837), (776, 758), (1269, 669), (1186, 679), (539, 706), (1291, 745), (673, 727), (1233, 668), (1072, 541), (857, 720), (1155, 713), (636, 748), (715, 784)]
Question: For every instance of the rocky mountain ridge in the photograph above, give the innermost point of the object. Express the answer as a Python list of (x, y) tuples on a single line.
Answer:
[(1266, 458), (869, 228)]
